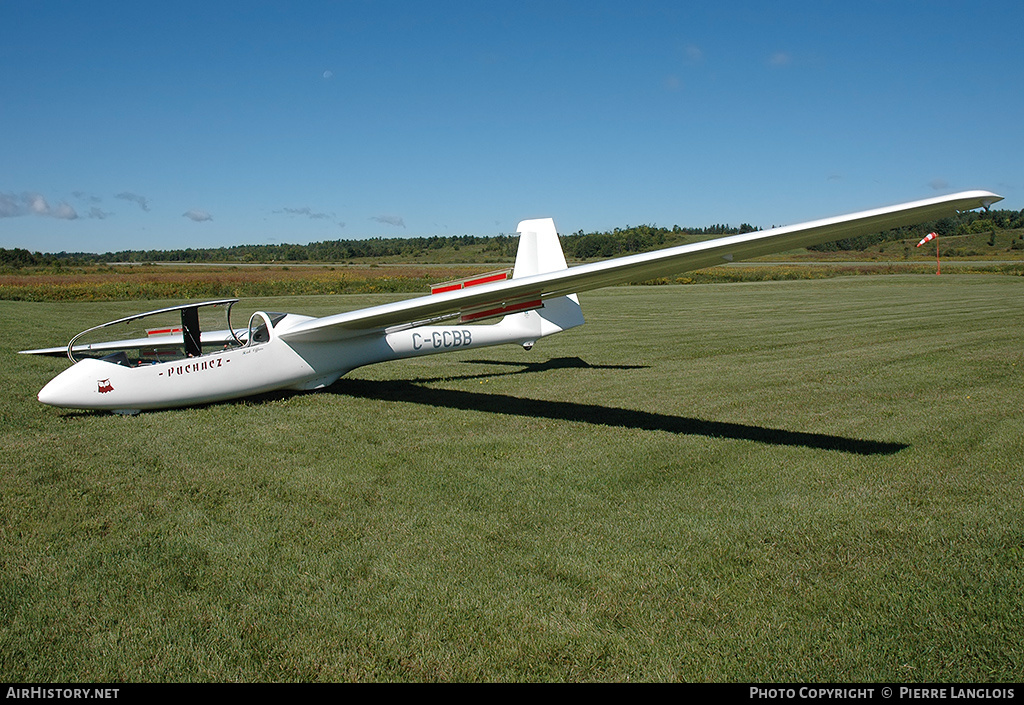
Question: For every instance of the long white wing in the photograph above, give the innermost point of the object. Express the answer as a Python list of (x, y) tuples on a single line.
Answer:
[(154, 342), (648, 265)]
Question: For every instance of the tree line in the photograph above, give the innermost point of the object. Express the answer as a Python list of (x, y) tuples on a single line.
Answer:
[(579, 245), (962, 224)]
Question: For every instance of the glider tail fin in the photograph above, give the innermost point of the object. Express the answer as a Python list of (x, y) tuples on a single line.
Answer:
[(540, 252), (539, 249)]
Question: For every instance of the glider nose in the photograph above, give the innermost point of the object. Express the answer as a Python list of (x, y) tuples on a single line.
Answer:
[(56, 392), (70, 389)]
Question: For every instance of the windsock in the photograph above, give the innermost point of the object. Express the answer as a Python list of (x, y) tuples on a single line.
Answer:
[(927, 238)]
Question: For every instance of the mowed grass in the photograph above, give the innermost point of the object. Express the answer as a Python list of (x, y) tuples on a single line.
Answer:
[(776, 481)]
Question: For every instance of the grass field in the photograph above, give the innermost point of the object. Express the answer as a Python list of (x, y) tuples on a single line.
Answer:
[(772, 481)]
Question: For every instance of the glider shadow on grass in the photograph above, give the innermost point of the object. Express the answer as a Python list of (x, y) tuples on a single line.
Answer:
[(414, 392)]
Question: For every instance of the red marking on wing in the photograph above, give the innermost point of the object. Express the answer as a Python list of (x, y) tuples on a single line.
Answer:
[(500, 310), (475, 280)]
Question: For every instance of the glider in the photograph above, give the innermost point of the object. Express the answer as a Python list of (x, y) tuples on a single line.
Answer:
[(184, 366)]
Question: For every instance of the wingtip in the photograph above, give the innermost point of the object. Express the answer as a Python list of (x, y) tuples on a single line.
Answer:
[(991, 198), (970, 200)]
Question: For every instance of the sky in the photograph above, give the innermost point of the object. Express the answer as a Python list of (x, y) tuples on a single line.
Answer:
[(143, 125)]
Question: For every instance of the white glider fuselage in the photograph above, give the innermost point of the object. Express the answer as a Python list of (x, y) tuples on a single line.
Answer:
[(262, 367), (289, 351), (276, 356)]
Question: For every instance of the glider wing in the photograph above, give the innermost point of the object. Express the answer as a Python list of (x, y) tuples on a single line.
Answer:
[(507, 295)]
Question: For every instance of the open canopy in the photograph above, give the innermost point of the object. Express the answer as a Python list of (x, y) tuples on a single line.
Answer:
[(186, 337)]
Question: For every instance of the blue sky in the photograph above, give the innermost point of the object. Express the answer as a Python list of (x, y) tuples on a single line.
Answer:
[(168, 125)]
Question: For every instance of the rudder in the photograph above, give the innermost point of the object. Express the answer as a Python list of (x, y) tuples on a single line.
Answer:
[(539, 249), (540, 252)]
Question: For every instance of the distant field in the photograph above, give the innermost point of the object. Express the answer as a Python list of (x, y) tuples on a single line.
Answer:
[(150, 281), (216, 281), (815, 480), (999, 253)]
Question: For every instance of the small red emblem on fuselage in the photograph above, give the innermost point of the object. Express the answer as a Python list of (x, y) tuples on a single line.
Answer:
[(104, 386)]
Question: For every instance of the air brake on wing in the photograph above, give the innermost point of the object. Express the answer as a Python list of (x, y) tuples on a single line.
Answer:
[(492, 309), (475, 280)]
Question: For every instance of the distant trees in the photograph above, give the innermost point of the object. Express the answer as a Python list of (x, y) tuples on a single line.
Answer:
[(640, 238), (963, 224), (17, 258), (578, 245)]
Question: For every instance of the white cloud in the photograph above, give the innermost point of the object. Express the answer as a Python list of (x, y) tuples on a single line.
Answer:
[(306, 211), (87, 197), (37, 204), (395, 220), (64, 212), (12, 206), (199, 216), (142, 201)]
